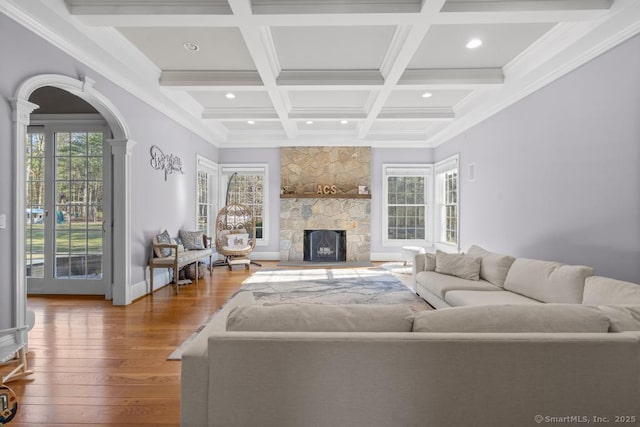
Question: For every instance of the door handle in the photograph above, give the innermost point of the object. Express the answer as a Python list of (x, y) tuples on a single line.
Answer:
[(104, 230)]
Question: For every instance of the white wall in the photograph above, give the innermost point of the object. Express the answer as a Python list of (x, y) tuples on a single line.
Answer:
[(558, 173), (156, 204)]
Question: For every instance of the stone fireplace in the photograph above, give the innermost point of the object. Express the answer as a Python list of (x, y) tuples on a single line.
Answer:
[(320, 191)]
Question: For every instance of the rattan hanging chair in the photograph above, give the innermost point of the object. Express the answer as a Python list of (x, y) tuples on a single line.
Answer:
[(235, 234)]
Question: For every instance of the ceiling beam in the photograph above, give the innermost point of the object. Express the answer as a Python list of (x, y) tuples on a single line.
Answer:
[(453, 76), (330, 77), (188, 78), (420, 113), (260, 46), (244, 113), (399, 59)]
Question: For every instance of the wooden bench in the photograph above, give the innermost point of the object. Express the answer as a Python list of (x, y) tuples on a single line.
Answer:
[(178, 260)]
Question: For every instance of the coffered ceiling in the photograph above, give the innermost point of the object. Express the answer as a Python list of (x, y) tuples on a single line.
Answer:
[(358, 72)]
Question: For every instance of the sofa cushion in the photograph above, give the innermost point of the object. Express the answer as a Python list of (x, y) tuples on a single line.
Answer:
[(440, 284), (623, 317), (513, 318), (463, 298), (603, 290), (494, 267), (321, 318), (459, 265), (424, 262), (547, 281)]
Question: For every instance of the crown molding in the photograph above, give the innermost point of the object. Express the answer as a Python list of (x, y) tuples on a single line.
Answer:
[(56, 26)]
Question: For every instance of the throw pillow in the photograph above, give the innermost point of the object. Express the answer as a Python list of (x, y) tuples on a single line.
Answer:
[(622, 317), (513, 318), (163, 238), (494, 267), (460, 265), (192, 239), (321, 318)]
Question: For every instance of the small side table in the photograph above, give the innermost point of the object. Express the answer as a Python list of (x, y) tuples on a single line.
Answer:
[(410, 252)]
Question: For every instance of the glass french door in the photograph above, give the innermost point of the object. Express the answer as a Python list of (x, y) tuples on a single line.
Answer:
[(68, 226)]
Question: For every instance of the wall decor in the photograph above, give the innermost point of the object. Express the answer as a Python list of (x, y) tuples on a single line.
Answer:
[(165, 162)]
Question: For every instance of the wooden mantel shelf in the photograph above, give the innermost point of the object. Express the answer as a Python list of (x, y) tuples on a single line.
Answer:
[(325, 196)]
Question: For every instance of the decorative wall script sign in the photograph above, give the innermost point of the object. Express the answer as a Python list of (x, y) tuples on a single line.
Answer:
[(327, 189), (166, 162)]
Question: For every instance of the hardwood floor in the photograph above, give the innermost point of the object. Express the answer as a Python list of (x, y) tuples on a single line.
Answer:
[(96, 364)]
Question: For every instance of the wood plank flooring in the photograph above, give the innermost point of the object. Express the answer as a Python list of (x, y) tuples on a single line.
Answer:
[(100, 365)]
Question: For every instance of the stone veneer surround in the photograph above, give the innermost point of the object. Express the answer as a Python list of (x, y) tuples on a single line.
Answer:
[(301, 170)]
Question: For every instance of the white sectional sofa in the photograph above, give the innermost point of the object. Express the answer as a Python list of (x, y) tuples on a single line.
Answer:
[(301, 365), (503, 279)]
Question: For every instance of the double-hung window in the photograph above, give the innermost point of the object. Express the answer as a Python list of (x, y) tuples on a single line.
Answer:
[(447, 196), (247, 184), (407, 200)]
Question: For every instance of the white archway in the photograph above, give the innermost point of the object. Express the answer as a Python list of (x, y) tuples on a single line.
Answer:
[(121, 146)]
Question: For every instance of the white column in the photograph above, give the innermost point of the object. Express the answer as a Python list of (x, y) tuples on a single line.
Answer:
[(21, 114), (121, 202)]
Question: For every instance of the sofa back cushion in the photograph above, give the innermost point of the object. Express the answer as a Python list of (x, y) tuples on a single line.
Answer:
[(513, 318), (623, 317), (547, 281), (460, 265), (321, 318), (603, 290), (494, 267)]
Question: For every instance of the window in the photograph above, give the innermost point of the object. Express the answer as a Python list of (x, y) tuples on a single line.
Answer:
[(406, 210), (247, 185), (447, 193), (206, 191)]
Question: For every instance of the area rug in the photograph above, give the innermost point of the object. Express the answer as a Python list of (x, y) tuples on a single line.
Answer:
[(397, 267), (323, 286)]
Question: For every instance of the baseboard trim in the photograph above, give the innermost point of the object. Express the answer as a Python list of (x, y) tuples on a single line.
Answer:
[(140, 289)]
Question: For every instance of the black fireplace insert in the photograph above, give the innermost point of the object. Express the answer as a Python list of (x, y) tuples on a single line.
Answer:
[(325, 245)]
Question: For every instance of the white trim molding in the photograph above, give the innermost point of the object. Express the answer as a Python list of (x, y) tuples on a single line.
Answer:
[(440, 168), (121, 145)]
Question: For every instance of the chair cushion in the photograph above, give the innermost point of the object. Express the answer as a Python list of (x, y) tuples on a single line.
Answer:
[(547, 281), (510, 318), (623, 317), (494, 267), (192, 239), (603, 290), (440, 284), (461, 298), (459, 265), (321, 318)]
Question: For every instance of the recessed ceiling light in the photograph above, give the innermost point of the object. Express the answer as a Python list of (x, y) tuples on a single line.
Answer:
[(191, 47), (230, 95), (251, 122), (309, 122), (344, 122), (474, 43), (427, 95)]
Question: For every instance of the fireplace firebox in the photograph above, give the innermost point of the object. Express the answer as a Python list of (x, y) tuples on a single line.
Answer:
[(325, 245)]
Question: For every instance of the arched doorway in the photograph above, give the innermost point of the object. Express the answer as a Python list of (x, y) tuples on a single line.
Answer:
[(120, 146)]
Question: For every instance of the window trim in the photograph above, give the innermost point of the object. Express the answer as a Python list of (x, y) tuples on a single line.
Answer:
[(203, 164), (440, 169), (249, 169), (407, 169)]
